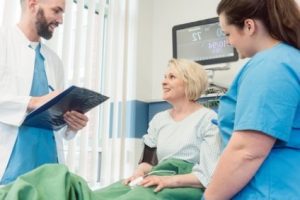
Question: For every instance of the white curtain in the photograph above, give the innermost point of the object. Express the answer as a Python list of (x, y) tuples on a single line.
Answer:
[(80, 43), (10, 11), (119, 57), (113, 140)]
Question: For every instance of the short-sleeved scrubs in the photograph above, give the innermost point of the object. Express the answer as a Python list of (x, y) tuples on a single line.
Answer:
[(265, 96)]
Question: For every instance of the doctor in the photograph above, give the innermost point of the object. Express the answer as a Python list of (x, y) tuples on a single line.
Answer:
[(27, 69)]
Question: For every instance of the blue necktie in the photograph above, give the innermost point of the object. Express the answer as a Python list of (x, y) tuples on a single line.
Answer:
[(39, 85)]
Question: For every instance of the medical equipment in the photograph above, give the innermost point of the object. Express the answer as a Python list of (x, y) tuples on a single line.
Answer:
[(203, 42)]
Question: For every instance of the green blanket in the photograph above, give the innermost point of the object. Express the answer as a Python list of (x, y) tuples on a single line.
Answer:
[(119, 191), (52, 181), (55, 182)]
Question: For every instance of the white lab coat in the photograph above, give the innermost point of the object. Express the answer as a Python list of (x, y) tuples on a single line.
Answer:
[(16, 74)]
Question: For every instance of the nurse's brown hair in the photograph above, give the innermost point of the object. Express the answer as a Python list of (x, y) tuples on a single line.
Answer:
[(280, 17)]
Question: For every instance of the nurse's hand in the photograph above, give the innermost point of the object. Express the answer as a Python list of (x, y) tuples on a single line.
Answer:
[(75, 120)]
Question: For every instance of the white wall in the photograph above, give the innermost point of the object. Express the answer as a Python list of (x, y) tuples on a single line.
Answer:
[(144, 50), (157, 17)]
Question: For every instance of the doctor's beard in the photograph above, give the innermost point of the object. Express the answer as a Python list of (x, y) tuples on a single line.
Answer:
[(42, 26)]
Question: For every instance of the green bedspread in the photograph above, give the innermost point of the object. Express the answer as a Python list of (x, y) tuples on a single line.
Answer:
[(55, 182), (52, 181), (118, 191)]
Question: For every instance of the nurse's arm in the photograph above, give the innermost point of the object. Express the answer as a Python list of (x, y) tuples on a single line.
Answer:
[(239, 162)]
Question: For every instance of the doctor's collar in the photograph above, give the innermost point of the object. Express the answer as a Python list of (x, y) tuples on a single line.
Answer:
[(33, 45)]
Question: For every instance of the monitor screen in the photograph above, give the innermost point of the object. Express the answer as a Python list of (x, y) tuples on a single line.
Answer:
[(202, 41)]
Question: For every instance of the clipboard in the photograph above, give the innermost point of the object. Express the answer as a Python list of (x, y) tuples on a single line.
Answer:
[(50, 115)]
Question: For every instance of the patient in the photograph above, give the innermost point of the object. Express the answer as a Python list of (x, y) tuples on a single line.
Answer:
[(185, 140)]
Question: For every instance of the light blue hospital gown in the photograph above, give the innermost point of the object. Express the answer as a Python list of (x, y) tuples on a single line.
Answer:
[(265, 97), (34, 146)]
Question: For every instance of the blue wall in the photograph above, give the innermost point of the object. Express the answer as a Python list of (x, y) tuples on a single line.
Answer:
[(136, 119)]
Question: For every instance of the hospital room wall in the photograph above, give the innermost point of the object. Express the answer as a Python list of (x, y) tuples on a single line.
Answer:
[(156, 19), (154, 48)]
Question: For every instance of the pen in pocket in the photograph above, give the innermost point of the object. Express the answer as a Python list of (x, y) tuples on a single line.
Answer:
[(215, 122), (51, 88)]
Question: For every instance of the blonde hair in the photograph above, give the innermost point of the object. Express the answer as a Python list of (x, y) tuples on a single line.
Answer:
[(193, 75)]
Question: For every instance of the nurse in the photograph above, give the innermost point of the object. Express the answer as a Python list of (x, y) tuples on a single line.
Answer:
[(28, 68), (259, 116)]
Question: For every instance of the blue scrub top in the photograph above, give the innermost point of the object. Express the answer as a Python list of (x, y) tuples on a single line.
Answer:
[(34, 146), (265, 96)]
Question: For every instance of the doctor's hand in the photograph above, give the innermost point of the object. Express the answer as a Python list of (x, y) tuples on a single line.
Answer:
[(75, 120), (36, 102)]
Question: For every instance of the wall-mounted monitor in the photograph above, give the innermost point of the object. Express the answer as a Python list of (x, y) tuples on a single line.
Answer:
[(202, 41)]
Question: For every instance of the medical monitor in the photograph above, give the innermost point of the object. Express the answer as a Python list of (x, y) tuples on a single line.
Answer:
[(202, 41)]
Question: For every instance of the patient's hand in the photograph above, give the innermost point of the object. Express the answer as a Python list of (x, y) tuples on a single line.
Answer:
[(141, 170), (161, 182), (136, 174)]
